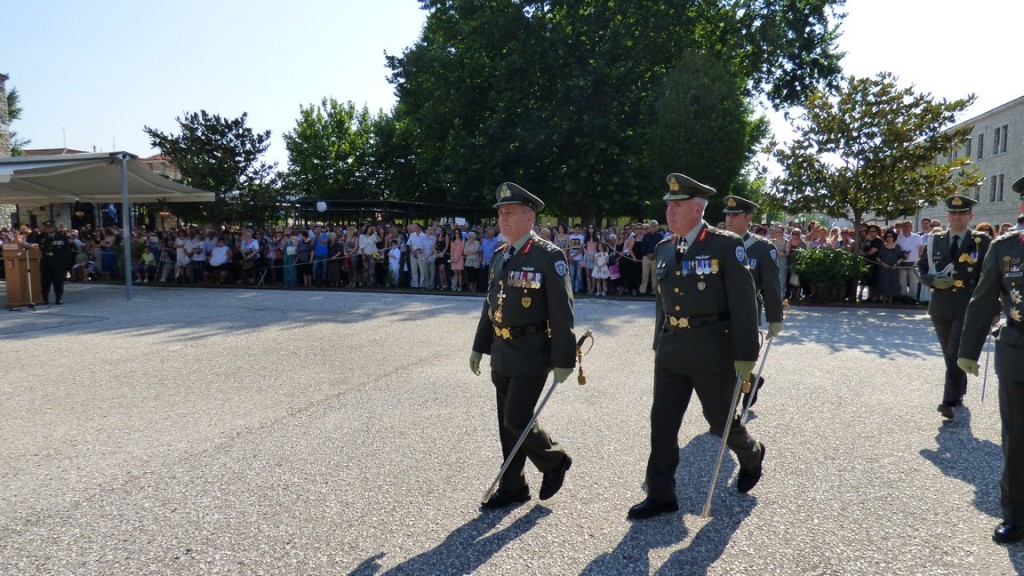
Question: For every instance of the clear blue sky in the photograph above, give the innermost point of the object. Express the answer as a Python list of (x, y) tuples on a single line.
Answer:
[(92, 74)]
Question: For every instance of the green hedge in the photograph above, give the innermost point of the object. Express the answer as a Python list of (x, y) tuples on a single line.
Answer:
[(828, 268)]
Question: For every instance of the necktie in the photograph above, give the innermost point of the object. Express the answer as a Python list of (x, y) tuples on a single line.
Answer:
[(954, 246), (509, 253)]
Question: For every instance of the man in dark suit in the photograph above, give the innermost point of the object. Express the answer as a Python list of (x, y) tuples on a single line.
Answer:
[(706, 332), (1002, 276), (950, 266), (57, 253), (527, 328), (763, 263)]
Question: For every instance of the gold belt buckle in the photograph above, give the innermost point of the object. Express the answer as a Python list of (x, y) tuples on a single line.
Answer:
[(679, 322), (959, 283), (503, 332)]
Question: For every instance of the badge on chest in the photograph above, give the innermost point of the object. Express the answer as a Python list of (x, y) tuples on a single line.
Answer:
[(525, 280)]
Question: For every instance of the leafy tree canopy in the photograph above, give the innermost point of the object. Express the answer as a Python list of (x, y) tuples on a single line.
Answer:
[(223, 156), (873, 146), (331, 152), (563, 97)]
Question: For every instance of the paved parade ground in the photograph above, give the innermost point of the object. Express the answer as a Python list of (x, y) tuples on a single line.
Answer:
[(229, 431)]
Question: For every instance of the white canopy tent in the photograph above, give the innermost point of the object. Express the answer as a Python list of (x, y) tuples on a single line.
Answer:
[(101, 177)]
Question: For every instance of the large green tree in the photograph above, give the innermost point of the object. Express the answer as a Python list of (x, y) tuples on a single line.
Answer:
[(331, 152), (224, 156), (14, 111), (563, 96), (873, 146)]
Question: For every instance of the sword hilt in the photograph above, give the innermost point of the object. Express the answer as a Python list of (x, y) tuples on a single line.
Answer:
[(581, 378)]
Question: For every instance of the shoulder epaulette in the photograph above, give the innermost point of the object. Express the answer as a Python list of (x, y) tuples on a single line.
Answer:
[(669, 238)]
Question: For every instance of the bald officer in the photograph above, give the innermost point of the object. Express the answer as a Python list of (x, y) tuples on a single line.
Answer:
[(1002, 276), (527, 328), (705, 334), (951, 267)]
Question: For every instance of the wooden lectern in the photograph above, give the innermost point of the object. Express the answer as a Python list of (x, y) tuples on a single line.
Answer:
[(21, 268)]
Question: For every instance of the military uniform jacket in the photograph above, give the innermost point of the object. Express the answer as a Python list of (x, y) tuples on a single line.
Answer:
[(528, 291), (1002, 277), (952, 302), (708, 285), (762, 261), (56, 249)]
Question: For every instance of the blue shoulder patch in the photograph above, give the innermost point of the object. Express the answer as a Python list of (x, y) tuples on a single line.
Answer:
[(561, 268), (741, 254)]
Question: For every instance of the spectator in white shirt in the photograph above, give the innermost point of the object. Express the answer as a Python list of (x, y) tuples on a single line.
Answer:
[(910, 244)]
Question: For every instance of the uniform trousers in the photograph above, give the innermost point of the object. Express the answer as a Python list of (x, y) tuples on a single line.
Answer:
[(948, 330), (1011, 410), (517, 399), (672, 393), (52, 276)]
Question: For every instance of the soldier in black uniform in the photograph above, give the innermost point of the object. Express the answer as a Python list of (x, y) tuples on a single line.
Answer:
[(950, 267), (527, 328), (57, 252), (1002, 275), (705, 334), (763, 263)]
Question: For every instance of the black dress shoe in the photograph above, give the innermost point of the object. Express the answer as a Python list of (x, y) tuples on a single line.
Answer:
[(649, 508), (1008, 533), (553, 480), (503, 498), (946, 410), (747, 480)]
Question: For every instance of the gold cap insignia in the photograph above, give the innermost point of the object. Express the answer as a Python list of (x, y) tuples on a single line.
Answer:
[(956, 202), (732, 203), (504, 192), (673, 184)]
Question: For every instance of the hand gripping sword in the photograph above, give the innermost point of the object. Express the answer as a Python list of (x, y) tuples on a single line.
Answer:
[(764, 358), (581, 378)]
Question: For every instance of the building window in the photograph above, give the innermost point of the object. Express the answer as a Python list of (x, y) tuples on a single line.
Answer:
[(995, 141), (967, 148), (981, 146), (992, 189), (1002, 178), (977, 193), (1002, 148)]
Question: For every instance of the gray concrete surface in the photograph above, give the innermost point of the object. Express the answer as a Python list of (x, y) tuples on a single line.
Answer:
[(206, 431)]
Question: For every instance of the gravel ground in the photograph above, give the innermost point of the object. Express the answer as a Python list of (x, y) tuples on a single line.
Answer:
[(206, 431)]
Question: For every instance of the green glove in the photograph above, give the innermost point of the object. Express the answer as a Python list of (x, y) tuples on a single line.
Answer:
[(561, 374), (744, 368), (774, 328), (967, 365), (942, 282), (474, 362)]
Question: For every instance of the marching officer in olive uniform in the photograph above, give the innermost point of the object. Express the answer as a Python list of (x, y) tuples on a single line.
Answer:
[(527, 328), (53, 266), (706, 332), (1002, 275), (762, 261), (950, 267)]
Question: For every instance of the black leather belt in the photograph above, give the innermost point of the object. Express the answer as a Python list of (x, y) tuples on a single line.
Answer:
[(961, 283), (695, 321), (510, 332)]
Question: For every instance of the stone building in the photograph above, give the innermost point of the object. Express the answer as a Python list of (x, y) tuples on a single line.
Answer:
[(996, 148)]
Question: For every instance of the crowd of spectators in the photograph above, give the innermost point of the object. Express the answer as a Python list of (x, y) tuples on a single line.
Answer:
[(616, 260)]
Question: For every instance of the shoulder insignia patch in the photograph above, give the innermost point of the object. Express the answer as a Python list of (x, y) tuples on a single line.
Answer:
[(774, 254), (561, 268), (741, 254)]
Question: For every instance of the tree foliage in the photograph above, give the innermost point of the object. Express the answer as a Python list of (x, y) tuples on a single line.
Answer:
[(873, 146), (564, 97), (14, 111), (332, 151), (223, 156)]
